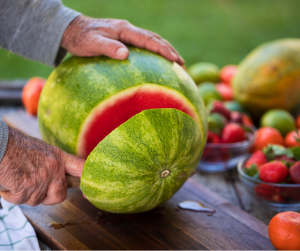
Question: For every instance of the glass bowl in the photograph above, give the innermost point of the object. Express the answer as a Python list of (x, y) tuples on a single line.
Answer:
[(274, 196), (223, 157)]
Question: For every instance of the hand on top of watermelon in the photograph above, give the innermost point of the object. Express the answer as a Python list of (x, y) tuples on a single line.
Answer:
[(227, 126), (86, 37)]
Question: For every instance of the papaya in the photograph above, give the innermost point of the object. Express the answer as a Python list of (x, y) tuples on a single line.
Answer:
[(269, 77)]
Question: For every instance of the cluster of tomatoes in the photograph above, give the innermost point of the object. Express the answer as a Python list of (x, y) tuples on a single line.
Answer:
[(226, 126)]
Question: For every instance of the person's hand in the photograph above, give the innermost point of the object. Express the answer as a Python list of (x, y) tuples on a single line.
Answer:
[(34, 172), (88, 37)]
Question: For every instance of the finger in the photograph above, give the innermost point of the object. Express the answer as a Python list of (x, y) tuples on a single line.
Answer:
[(145, 39), (73, 164), (84, 196), (16, 199), (36, 198), (57, 193), (108, 47), (180, 59)]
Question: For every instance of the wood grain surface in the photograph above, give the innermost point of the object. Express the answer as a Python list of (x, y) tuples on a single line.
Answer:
[(165, 227)]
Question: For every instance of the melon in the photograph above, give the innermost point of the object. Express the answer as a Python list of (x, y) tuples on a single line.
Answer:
[(140, 123), (143, 162), (269, 77), (85, 99)]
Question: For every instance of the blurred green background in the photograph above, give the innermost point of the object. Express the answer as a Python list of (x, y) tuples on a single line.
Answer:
[(218, 31)]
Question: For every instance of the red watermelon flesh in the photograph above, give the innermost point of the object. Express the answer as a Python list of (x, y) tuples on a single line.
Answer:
[(117, 109)]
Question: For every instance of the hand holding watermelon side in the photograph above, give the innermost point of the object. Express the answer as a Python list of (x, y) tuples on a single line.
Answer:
[(34, 172), (86, 37)]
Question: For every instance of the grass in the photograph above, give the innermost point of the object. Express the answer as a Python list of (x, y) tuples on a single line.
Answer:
[(218, 31)]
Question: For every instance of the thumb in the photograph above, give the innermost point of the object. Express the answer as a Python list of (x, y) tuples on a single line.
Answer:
[(73, 164), (108, 47)]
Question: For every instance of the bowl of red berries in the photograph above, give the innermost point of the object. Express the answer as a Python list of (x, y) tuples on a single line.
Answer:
[(272, 175), (230, 136)]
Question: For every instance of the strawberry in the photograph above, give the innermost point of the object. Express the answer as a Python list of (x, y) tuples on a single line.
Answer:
[(265, 191), (274, 172), (233, 133), (294, 172), (219, 107), (286, 159), (258, 158), (212, 137), (236, 117)]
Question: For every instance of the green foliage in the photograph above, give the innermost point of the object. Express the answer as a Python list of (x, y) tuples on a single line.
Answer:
[(220, 31), (251, 171), (271, 151)]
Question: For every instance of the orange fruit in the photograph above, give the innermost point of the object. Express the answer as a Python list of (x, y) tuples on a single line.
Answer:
[(298, 121), (265, 136), (284, 231), (290, 138), (31, 94)]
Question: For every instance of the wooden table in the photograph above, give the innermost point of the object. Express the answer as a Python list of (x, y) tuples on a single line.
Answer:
[(225, 184)]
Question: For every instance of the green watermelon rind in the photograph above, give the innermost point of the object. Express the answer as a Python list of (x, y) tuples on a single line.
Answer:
[(123, 173), (72, 91)]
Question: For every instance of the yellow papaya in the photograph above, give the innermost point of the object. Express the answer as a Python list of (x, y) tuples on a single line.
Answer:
[(269, 77)]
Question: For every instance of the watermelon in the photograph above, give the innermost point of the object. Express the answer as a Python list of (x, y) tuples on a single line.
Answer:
[(85, 99), (143, 162)]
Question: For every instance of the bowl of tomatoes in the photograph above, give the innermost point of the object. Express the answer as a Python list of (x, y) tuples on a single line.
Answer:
[(230, 137), (272, 175)]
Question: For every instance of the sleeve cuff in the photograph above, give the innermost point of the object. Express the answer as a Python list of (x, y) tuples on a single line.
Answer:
[(3, 138)]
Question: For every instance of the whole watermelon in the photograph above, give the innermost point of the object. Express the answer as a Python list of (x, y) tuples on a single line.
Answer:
[(140, 122), (269, 77)]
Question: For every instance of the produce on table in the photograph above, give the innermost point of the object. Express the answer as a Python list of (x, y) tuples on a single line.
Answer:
[(146, 152), (273, 172), (275, 165), (143, 162), (219, 107), (298, 121), (292, 138), (258, 158), (31, 94), (265, 136), (209, 92), (233, 133), (279, 119), (225, 91), (227, 74), (213, 138), (269, 77), (204, 72), (284, 231), (216, 122), (85, 99), (235, 106)]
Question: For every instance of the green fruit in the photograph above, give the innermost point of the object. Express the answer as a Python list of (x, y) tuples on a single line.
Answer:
[(208, 92), (216, 122), (235, 106), (279, 119), (143, 162), (269, 77), (85, 99), (203, 71)]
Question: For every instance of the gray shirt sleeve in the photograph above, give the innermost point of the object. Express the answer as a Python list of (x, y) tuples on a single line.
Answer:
[(3, 138), (34, 28)]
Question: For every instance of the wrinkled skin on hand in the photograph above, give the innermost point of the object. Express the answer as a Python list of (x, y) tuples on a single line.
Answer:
[(34, 172), (88, 37)]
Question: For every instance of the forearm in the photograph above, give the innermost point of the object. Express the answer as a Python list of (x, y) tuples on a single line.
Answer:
[(34, 29)]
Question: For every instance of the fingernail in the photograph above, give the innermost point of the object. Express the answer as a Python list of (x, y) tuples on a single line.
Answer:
[(181, 59), (122, 53)]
